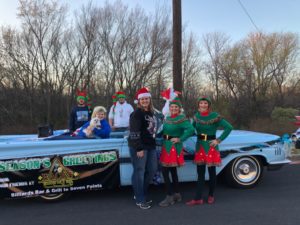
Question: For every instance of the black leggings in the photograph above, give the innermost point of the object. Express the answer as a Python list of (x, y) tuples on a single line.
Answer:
[(201, 180), (174, 187)]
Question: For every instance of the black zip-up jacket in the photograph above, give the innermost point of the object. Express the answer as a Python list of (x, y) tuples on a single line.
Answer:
[(142, 128)]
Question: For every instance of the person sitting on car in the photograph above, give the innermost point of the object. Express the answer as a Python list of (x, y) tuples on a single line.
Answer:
[(97, 127)]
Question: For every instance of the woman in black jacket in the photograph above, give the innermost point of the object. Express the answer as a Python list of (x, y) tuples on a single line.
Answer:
[(142, 146)]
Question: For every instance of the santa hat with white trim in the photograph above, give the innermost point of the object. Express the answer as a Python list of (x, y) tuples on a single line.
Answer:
[(142, 93)]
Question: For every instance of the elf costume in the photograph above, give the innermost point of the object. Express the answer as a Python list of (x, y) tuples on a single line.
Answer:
[(175, 126), (206, 125)]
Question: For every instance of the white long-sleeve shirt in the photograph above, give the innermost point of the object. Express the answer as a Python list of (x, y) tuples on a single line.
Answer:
[(120, 114)]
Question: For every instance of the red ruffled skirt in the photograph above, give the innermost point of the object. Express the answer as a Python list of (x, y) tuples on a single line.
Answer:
[(171, 159), (212, 158)]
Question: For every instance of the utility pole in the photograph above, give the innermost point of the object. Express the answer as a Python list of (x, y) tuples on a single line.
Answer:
[(177, 52)]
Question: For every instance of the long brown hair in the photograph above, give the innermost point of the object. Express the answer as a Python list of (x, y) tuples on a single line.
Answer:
[(150, 108)]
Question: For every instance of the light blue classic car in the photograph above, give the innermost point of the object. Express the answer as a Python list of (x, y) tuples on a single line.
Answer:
[(32, 166)]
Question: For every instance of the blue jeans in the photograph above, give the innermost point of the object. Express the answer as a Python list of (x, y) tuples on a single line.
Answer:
[(143, 171)]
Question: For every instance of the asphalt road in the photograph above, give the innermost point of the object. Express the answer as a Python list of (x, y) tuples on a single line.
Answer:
[(275, 201)]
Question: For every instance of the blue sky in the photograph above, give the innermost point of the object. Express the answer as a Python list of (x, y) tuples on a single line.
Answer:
[(204, 16)]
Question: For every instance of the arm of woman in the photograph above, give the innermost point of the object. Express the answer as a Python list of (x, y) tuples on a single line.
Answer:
[(188, 130), (85, 127), (135, 124), (105, 130), (227, 129)]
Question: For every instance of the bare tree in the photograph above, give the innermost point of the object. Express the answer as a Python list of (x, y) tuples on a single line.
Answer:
[(135, 46), (192, 66), (42, 28), (215, 45), (113, 47), (251, 71)]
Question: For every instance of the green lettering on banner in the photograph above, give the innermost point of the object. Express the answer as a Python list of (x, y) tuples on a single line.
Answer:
[(46, 163), (2, 166), (17, 165), (105, 157), (33, 164), (113, 156), (97, 158), (14, 166), (66, 161), (77, 160), (90, 159), (21, 165), (73, 161)]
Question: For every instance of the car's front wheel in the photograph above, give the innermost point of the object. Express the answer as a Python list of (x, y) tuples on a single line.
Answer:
[(244, 172)]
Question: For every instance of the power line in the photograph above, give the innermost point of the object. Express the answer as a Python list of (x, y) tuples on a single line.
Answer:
[(245, 10)]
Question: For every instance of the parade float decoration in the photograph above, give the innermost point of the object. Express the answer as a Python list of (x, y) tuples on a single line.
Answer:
[(33, 166), (39, 167), (168, 95)]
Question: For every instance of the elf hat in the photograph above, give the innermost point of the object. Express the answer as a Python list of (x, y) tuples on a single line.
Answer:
[(81, 95), (205, 98), (142, 93), (176, 101), (120, 94), (114, 99)]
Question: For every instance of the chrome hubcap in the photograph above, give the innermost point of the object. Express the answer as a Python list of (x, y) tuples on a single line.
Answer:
[(246, 170)]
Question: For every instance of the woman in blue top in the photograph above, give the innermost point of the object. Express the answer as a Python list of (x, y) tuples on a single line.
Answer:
[(97, 127)]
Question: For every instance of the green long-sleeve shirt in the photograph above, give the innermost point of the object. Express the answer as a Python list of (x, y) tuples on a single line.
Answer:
[(209, 125), (180, 127)]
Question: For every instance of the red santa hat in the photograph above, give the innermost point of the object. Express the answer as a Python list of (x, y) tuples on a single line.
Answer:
[(142, 93), (169, 94)]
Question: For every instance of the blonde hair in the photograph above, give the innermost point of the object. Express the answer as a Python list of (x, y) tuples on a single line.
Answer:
[(98, 109)]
